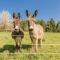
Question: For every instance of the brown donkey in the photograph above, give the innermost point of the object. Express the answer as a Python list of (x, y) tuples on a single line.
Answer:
[(35, 31), (17, 33)]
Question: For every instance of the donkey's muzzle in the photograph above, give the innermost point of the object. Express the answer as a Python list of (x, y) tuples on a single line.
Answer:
[(30, 28), (17, 30), (17, 34)]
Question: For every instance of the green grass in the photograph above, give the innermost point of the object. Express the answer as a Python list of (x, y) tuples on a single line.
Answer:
[(7, 47)]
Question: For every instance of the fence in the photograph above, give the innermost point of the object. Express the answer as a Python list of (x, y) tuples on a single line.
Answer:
[(52, 52)]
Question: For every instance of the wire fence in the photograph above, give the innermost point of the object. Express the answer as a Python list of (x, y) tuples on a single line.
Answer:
[(57, 53), (32, 53)]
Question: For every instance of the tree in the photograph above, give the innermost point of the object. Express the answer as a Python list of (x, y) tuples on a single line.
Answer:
[(43, 23), (24, 25), (5, 17), (58, 26), (48, 26), (52, 25)]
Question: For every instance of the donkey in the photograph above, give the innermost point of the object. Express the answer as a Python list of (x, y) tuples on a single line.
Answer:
[(35, 31), (17, 33)]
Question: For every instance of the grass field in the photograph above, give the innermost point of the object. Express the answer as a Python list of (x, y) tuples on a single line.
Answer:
[(50, 49)]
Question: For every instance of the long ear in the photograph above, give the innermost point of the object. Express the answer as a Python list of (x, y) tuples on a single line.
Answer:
[(19, 15), (14, 15), (35, 13), (27, 13)]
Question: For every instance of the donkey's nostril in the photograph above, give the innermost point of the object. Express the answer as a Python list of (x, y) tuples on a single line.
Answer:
[(30, 29)]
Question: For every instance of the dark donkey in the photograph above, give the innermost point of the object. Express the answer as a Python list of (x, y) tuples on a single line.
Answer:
[(17, 33), (35, 31)]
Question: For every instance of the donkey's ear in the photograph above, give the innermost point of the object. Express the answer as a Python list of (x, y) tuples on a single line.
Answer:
[(27, 13), (35, 13), (19, 15), (14, 15)]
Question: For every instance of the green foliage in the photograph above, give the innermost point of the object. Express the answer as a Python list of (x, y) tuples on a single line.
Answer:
[(58, 26), (48, 26), (24, 25), (43, 23), (52, 25)]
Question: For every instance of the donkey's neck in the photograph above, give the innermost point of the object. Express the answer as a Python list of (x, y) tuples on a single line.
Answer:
[(35, 27)]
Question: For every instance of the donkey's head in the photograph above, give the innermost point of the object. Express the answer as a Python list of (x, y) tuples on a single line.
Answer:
[(31, 19), (16, 21)]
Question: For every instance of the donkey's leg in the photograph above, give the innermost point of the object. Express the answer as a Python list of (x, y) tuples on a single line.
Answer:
[(16, 41), (19, 41), (36, 44), (39, 43), (33, 45)]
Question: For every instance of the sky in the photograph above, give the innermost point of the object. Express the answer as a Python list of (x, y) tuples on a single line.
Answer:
[(46, 8)]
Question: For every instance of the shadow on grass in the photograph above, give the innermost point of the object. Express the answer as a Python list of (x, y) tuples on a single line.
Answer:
[(12, 49), (26, 46)]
